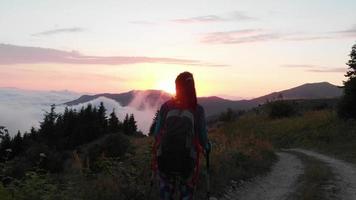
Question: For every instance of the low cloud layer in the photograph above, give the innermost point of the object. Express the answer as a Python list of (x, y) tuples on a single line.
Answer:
[(143, 117), (59, 31), (13, 54), (23, 109)]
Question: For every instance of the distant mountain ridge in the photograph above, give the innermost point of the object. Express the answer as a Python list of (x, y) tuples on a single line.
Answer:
[(150, 98), (213, 104), (322, 90)]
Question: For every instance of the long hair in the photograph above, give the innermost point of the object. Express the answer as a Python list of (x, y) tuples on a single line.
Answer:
[(185, 91)]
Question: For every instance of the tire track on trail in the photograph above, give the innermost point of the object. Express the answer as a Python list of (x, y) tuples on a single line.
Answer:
[(345, 173), (278, 184)]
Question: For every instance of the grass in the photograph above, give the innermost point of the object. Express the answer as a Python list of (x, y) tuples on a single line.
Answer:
[(242, 149), (236, 157), (318, 130), (317, 181)]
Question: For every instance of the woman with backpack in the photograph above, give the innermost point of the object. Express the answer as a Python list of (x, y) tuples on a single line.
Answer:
[(180, 139)]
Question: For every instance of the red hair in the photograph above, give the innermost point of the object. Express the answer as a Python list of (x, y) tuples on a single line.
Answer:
[(185, 90)]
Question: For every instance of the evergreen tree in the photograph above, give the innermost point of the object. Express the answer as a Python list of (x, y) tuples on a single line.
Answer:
[(5, 145), (114, 123), (125, 125), (154, 122), (132, 125), (17, 143), (47, 126), (351, 74), (3, 131), (102, 117), (347, 105)]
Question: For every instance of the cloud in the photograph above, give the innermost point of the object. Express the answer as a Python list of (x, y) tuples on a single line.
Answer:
[(309, 38), (298, 66), (240, 16), (232, 16), (239, 36), (142, 22), (351, 32), (261, 35), (200, 19), (12, 54), (329, 70), (58, 31), (22, 109), (143, 117), (317, 69)]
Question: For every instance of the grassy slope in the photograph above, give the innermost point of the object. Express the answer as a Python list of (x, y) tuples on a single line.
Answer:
[(234, 157), (321, 131), (243, 149), (317, 130)]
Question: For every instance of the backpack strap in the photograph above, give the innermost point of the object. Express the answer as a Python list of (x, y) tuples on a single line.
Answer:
[(199, 151), (158, 138)]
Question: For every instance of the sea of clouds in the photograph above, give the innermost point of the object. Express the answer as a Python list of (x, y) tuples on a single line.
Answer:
[(23, 109)]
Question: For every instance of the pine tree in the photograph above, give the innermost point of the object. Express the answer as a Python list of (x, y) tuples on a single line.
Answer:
[(351, 74), (154, 122), (5, 145), (132, 125), (3, 131), (47, 126), (17, 143), (347, 105), (114, 123), (125, 125), (103, 123)]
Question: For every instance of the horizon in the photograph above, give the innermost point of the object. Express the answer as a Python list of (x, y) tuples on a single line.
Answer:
[(233, 48), (227, 97)]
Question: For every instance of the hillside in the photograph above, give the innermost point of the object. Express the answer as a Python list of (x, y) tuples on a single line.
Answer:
[(322, 90), (213, 104), (150, 97)]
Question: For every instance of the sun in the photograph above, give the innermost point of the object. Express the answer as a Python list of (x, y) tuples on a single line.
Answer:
[(167, 86)]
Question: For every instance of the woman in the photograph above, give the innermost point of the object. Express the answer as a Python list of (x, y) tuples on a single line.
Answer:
[(180, 138)]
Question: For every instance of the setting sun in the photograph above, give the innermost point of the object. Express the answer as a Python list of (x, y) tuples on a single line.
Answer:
[(167, 86)]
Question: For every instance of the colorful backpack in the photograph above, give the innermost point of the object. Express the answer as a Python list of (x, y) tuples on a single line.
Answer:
[(177, 145)]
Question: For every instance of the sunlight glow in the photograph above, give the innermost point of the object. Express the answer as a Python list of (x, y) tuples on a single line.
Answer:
[(167, 86)]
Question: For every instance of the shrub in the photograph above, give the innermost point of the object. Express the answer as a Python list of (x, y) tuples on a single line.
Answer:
[(4, 194), (281, 109)]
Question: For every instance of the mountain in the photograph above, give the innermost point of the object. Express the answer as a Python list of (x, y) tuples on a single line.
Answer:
[(142, 99), (21, 109), (322, 90)]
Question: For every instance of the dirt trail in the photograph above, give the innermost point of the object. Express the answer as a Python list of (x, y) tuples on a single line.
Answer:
[(345, 173), (278, 184)]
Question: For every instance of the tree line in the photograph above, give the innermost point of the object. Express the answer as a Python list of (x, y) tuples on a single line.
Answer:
[(61, 132)]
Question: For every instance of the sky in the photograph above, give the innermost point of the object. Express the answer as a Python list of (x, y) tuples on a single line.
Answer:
[(234, 48)]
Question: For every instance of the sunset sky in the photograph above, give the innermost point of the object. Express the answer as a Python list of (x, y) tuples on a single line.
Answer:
[(234, 48)]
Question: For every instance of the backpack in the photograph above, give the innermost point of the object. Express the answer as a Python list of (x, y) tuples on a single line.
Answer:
[(177, 149)]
